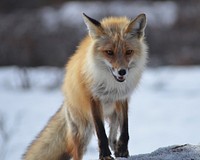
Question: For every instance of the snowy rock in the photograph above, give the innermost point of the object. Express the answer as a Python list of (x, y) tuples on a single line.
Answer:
[(176, 152)]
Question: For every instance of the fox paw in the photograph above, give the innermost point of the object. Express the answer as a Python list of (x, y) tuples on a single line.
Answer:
[(122, 154), (106, 158), (121, 150)]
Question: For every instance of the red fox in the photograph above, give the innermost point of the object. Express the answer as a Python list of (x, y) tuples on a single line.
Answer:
[(100, 77)]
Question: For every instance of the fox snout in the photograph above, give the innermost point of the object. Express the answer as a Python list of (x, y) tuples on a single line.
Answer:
[(120, 74)]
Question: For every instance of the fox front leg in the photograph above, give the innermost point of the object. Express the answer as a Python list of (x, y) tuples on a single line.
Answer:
[(104, 151), (121, 147)]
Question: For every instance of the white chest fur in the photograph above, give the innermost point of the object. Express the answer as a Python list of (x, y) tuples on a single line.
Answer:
[(108, 90)]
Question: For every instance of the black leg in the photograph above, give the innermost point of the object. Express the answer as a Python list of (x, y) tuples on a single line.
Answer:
[(104, 151), (121, 148)]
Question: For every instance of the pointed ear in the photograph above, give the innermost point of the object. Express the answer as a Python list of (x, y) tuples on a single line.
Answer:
[(94, 27), (137, 26)]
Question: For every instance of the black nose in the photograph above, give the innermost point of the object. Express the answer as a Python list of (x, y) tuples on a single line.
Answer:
[(122, 72)]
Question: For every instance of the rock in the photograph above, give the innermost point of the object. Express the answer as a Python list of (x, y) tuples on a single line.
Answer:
[(176, 152)]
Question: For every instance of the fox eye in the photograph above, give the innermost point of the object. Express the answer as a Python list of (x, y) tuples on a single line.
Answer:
[(109, 52), (129, 52)]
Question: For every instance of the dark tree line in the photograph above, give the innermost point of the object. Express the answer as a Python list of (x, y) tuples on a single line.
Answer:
[(25, 40)]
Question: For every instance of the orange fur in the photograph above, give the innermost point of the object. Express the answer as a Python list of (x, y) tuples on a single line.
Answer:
[(90, 82)]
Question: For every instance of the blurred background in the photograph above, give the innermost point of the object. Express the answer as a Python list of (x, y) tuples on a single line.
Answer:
[(46, 32), (38, 36)]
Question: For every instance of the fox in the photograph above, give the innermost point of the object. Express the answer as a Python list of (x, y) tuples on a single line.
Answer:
[(100, 77)]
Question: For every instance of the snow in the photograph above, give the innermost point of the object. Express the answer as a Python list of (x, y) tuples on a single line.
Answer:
[(164, 110)]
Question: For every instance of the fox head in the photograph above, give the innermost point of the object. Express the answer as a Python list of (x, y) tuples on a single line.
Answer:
[(118, 43)]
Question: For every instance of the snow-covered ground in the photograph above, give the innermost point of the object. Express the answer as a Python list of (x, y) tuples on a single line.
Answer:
[(165, 109)]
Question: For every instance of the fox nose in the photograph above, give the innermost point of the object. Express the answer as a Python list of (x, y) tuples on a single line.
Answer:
[(122, 72)]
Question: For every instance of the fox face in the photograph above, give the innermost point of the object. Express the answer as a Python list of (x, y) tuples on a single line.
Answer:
[(118, 54), (118, 43)]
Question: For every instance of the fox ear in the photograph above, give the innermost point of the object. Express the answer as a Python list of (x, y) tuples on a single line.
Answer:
[(94, 27), (137, 26)]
